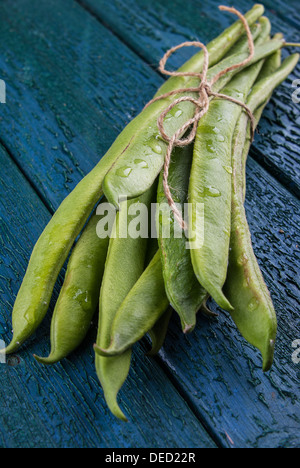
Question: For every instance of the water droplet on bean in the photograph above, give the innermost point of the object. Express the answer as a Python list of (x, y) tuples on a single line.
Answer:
[(124, 171), (154, 144), (220, 138), (253, 304), (242, 260), (77, 294), (178, 113), (228, 169), (210, 147), (141, 163), (210, 192), (157, 149)]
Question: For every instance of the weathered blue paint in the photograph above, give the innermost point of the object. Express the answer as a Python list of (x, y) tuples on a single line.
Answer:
[(63, 405), (72, 85), (152, 27)]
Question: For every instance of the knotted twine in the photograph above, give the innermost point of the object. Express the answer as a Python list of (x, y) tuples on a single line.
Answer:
[(202, 103)]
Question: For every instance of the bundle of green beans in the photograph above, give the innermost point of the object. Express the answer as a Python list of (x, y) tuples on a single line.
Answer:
[(139, 281)]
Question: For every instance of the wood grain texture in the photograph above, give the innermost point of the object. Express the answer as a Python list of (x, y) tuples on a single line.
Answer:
[(62, 406), (218, 369), (72, 86), (153, 26)]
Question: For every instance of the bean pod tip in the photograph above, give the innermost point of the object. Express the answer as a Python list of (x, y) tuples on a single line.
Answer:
[(11, 348), (104, 352), (45, 360)]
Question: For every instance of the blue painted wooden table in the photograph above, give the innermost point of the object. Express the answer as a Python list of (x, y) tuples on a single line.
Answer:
[(76, 72)]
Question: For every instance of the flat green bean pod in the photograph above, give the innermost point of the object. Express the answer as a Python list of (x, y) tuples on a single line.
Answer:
[(160, 328), (79, 296), (131, 176), (262, 51), (137, 168), (271, 65), (50, 253), (253, 310), (159, 331), (182, 287), (260, 33), (210, 184), (265, 30), (217, 48), (242, 45), (139, 312), (124, 265), (56, 241)]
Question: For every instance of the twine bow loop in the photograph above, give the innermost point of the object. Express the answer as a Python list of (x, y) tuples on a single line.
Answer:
[(202, 102)]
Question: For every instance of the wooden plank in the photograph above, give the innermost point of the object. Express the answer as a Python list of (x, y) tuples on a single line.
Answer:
[(289, 11), (220, 372), (56, 122), (31, 155), (154, 26), (71, 88), (62, 406), (151, 27)]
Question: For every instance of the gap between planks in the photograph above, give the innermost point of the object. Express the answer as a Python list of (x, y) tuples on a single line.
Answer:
[(255, 153), (95, 15), (28, 179), (172, 381)]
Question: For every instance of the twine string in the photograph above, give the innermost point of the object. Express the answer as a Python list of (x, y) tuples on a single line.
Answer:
[(201, 103)]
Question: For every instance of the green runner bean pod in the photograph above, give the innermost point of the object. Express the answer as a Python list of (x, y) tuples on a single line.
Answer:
[(210, 185), (273, 62), (271, 65), (160, 328), (159, 331), (253, 310), (124, 265), (56, 241), (141, 309), (131, 176), (242, 45), (260, 33), (79, 296), (182, 287), (137, 168)]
